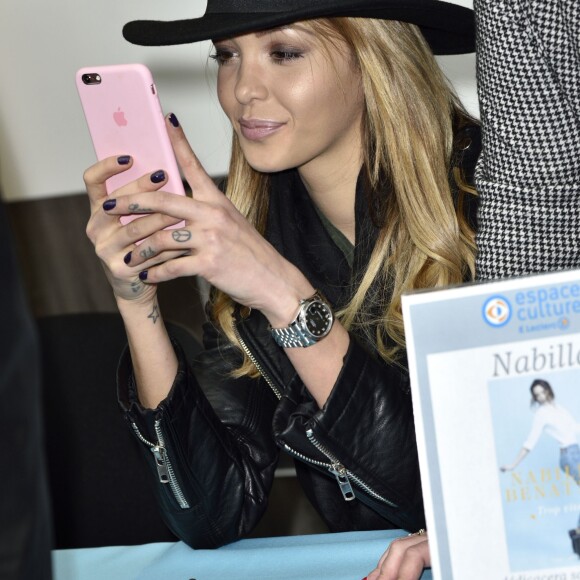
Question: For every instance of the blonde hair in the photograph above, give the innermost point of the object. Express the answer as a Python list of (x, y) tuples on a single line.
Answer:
[(410, 117)]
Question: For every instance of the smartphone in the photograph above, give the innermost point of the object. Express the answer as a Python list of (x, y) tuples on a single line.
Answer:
[(124, 117)]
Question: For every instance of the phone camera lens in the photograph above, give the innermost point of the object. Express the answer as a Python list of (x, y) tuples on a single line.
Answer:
[(91, 79)]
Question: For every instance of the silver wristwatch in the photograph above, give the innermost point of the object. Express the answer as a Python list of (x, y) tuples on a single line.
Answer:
[(312, 323)]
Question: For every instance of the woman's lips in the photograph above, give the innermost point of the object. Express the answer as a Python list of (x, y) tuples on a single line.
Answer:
[(256, 129)]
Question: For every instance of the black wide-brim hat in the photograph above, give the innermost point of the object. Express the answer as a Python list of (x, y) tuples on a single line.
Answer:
[(448, 28)]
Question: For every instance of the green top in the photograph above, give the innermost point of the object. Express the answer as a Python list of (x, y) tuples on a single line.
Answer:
[(338, 237)]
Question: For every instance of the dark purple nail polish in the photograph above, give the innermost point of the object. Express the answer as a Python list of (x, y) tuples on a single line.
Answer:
[(127, 257), (173, 120), (123, 160), (158, 176), (143, 275), (110, 204)]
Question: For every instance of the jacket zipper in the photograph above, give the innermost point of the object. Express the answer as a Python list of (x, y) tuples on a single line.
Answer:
[(164, 467), (335, 468), (251, 356), (343, 475), (340, 472)]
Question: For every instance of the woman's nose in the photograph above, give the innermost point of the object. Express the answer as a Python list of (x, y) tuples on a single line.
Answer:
[(251, 82)]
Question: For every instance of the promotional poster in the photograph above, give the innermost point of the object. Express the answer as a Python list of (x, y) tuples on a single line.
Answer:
[(495, 379)]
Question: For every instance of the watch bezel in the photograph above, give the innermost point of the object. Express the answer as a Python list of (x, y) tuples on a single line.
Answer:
[(303, 315), (297, 333)]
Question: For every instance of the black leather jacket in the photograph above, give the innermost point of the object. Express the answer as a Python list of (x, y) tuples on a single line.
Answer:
[(214, 442)]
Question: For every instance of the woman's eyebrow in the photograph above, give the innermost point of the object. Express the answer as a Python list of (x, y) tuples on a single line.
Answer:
[(295, 26), (261, 33), (282, 28)]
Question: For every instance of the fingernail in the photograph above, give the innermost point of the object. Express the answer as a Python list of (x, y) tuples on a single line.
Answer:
[(123, 160), (173, 120), (158, 176), (143, 275), (110, 204), (127, 257)]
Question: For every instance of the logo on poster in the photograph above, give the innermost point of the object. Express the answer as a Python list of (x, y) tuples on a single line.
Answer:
[(497, 311), (547, 308)]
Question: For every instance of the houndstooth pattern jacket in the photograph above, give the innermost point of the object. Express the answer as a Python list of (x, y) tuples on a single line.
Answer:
[(528, 176)]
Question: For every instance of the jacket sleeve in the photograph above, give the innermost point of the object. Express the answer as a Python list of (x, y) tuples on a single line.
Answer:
[(367, 425), (528, 176), (209, 446)]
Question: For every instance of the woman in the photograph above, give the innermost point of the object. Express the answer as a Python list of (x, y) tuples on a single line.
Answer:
[(557, 422), (347, 186)]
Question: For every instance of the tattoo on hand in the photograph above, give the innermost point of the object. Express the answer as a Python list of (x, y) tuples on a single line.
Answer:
[(134, 208), (136, 286), (154, 314), (147, 252), (181, 235)]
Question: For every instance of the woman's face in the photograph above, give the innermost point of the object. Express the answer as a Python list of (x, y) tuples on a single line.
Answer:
[(540, 394), (289, 104)]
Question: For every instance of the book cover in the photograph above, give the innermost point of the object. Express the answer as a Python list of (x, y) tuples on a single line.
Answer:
[(495, 381), (541, 494)]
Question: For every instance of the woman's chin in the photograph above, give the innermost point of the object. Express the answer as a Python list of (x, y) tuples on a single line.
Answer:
[(268, 166)]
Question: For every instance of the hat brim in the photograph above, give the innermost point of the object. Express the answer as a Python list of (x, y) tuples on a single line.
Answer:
[(448, 28)]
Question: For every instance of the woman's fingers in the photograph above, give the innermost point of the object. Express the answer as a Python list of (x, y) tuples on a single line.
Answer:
[(143, 260), (167, 270), (159, 253), (149, 202), (178, 241), (404, 559), (115, 238), (202, 185), (96, 176)]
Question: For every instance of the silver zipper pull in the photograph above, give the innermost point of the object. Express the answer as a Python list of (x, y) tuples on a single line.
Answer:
[(159, 453), (339, 472)]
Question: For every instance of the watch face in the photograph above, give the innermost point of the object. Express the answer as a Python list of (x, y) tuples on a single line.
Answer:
[(318, 319)]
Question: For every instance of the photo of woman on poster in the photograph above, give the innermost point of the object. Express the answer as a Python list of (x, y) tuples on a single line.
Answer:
[(554, 420)]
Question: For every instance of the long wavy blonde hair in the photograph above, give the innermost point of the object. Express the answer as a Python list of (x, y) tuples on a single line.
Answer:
[(409, 121)]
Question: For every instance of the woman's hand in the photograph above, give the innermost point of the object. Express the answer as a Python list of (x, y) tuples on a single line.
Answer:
[(511, 466), (404, 559), (216, 242), (111, 239)]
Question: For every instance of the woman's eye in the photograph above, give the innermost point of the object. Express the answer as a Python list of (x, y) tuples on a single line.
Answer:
[(222, 56), (281, 56)]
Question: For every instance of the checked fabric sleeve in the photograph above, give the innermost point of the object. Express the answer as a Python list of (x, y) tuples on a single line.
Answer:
[(528, 176)]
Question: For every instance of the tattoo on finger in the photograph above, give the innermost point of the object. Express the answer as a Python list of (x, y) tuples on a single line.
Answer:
[(181, 235), (136, 286), (147, 252), (136, 208)]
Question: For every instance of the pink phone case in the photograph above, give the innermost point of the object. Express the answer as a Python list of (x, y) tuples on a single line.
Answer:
[(124, 116)]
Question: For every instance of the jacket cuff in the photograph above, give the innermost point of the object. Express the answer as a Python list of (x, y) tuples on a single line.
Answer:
[(128, 397)]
